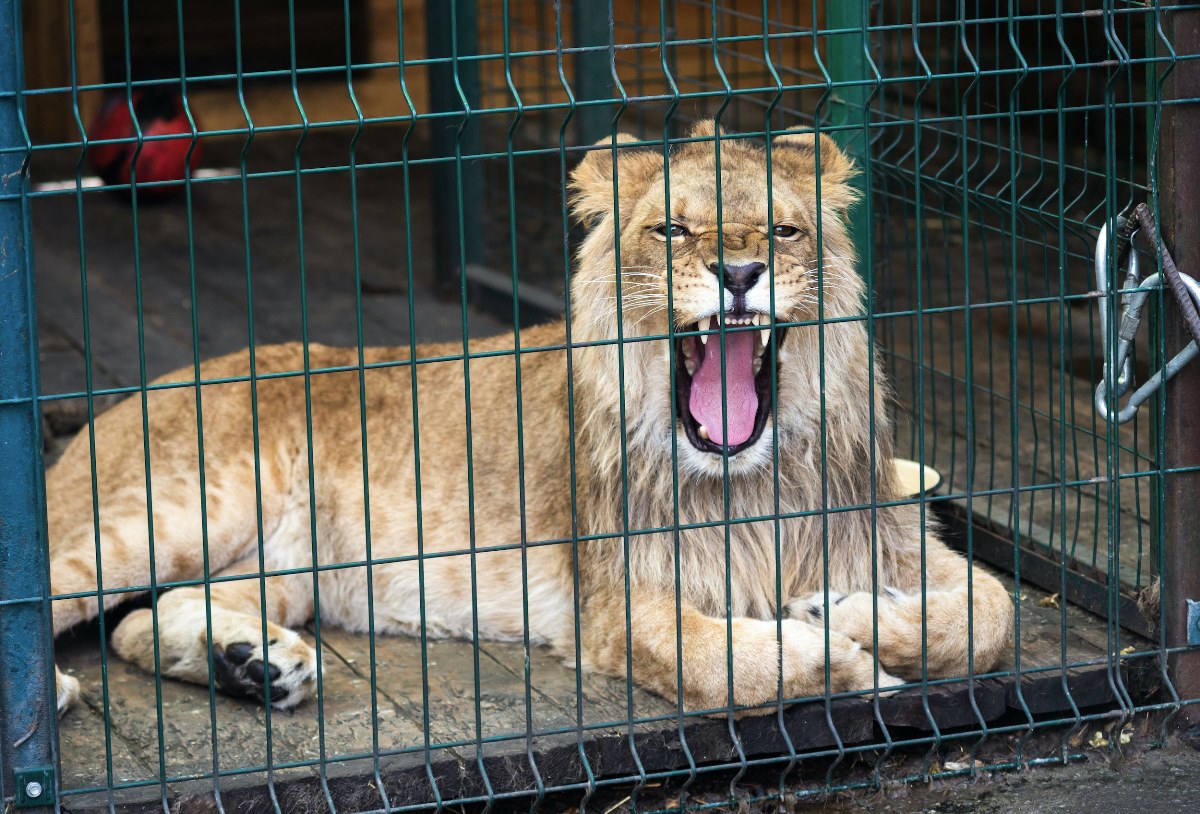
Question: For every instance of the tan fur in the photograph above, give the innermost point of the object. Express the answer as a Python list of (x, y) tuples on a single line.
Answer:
[(624, 478)]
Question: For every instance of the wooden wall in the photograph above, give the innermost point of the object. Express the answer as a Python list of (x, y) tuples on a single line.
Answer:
[(378, 91)]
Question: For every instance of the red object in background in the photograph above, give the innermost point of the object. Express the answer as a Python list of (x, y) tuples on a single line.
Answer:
[(159, 113)]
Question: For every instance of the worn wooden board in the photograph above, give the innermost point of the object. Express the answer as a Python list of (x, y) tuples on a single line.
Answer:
[(529, 729)]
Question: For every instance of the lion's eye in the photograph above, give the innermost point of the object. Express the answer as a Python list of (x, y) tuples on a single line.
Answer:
[(785, 231), (671, 230)]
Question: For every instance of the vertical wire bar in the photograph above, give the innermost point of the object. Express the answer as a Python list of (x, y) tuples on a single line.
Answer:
[(919, 355), (362, 402), (981, 137), (823, 418), (199, 401), (260, 536), (950, 462), (1116, 680), (676, 536), (1014, 392), (144, 403), (776, 522), (614, 128), (89, 386), (28, 729), (571, 451), (450, 80), (1097, 432), (1112, 561), (867, 265), (516, 317), (1064, 343), (969, 381), (466, 100), (726, 98), (1158, 520), (302, 268), (413, 394)]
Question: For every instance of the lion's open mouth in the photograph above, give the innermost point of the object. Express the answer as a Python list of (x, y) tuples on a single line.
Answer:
[(742, 385)]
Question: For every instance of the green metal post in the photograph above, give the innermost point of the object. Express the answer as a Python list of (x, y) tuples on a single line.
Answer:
[(27, 698), (850, 70), (452, 32), (591, 24)]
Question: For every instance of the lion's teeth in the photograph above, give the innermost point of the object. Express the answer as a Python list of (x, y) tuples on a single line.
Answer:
[(691, 366), (757, 365), (703, 339), (703, 432)]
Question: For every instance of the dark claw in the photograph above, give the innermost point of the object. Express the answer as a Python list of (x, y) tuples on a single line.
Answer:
[(242, 677), (239, 652), (255, 671), (229, 676)]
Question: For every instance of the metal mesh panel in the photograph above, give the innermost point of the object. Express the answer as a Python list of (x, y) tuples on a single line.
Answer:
[(379, 176)]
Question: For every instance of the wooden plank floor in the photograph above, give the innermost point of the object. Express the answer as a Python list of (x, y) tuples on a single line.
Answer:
[(342, 730)]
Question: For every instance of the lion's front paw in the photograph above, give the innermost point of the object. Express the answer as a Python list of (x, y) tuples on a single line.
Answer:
[(67, 690), (285, 676)]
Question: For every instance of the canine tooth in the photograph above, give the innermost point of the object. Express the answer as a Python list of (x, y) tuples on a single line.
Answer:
[(757, 365), (703, 339), (691, 366), (765, 335), (703, 432)]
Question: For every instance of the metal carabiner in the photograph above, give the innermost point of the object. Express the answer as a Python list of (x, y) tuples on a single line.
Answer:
[(1133, 300)]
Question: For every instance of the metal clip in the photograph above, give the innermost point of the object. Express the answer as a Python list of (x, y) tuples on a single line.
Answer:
[(35, 788), (1133, 299)]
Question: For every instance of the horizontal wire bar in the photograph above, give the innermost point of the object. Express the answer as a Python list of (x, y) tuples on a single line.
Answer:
[(977, 494), (532, 349)]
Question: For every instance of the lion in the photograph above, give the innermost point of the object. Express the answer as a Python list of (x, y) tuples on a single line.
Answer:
[(674, 471)]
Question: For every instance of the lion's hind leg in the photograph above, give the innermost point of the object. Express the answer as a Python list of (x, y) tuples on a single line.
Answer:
[(251, 658)]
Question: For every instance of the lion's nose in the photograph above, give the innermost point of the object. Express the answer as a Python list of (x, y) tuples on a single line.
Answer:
[(738, 278)]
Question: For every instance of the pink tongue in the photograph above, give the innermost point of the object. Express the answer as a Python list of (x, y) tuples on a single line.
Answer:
[(741, 397)]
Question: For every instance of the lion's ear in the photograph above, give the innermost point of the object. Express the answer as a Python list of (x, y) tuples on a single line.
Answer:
[(797, 155), (591, 188)]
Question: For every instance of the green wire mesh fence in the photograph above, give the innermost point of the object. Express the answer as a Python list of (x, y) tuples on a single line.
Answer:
[(182, 180)]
